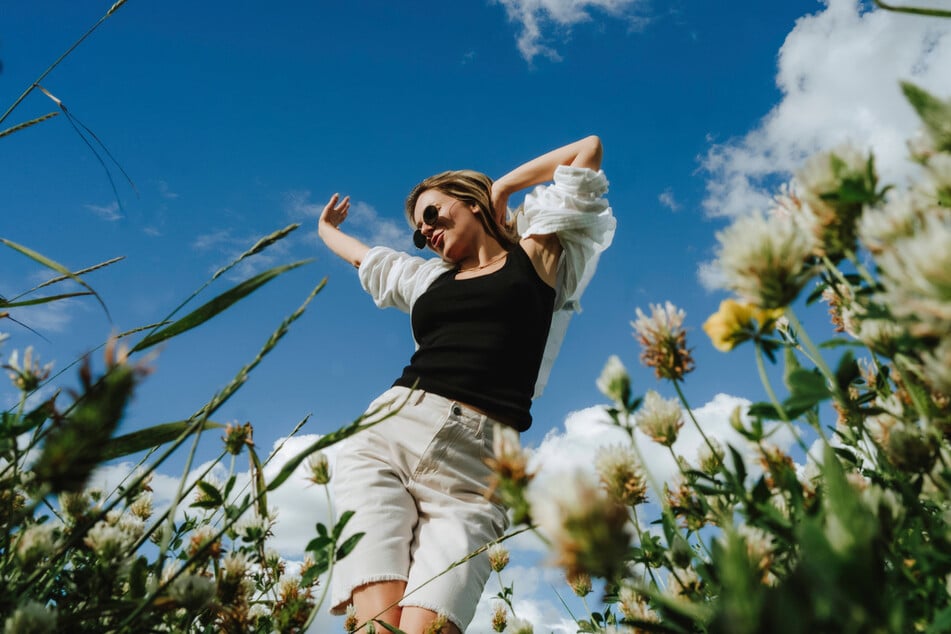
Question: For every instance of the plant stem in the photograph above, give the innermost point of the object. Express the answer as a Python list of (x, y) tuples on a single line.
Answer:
[(768, 386), (683, 399)]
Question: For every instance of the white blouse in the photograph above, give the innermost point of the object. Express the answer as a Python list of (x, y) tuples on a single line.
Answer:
[(573, 207)]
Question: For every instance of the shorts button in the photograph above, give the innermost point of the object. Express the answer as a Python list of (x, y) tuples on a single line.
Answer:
[(457, 410)]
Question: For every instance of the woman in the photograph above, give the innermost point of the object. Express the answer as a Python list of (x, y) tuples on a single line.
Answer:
[(488, 316)]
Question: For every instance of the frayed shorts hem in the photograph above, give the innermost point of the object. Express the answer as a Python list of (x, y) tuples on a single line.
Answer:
[(339, 604)]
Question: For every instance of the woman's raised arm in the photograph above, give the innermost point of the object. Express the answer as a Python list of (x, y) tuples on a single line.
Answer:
[(585, 152), (345, 246)]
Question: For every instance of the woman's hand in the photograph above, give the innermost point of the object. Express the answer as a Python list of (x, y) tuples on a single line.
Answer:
[(334, 214), (347, 247)]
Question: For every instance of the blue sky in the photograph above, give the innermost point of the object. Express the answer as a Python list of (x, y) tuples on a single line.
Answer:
[(236, 119)]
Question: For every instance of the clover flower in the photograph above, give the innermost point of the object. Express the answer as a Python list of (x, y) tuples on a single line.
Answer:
[(27, 377), (31, 617), (614, 382), (634, 606), (318, 466), (438, 624), (764, 260), (110, 543), (141, 507), (916, 275), (237, 437), (580, 584), (660, 419), (835, 187), (192, 591), (498, 557), (687, 505), (587, 529), (621, 474), (254, 528), (510, 474), (684, 582), (736, 322), (759, 548), (499, 617), (36, 543), (710, 456), (519, 626), (350, 623), (663, 341)]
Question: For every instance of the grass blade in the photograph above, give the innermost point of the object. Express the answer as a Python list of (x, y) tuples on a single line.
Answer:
[(27, 124), (205, 312), (41, 300), (61, 278), (56, 266), (152, 437)]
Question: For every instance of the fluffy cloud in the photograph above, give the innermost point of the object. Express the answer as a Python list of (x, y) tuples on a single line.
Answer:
[(838, 72), (363, 220), (536, 16)]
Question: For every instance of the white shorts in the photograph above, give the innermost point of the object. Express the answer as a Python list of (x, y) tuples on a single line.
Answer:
[(417, 484)]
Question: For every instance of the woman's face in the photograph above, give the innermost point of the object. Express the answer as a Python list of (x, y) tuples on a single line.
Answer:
[(455, 228)]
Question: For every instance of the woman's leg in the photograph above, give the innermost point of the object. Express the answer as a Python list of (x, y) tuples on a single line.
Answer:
[(379, 601), (415, 621)]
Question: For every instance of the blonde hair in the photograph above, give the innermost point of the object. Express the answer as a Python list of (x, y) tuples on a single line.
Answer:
[(473, 188)]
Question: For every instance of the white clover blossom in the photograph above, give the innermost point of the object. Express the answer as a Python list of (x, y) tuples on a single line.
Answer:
[(764, 259), (193, 591), (235, 564), (660, 419), (621, 473), (318, 468), (587, 529), (710, 456), (498, 557), (28, 376), (141, 507), (36, 543), (614, 382), (663, 341), (899, 217), (683, 582), (31, 617), (253, 527), (916, 274), (110, 543), (824, 173)]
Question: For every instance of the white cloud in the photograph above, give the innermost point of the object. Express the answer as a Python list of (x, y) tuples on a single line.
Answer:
[(537, 16), (164, 191), (587, 430), (108, 212), (666, 198), (838, 72), (363, 220), (45, 318)]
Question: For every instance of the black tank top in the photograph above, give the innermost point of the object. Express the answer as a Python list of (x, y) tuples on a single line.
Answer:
[(481, 339)]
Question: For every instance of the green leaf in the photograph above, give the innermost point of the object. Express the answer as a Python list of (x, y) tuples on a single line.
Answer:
[(138, 576), (215, 306), (388, 627), (847, 371), (935, 114), (341, 524), (259, 483), (318, 544), (212, 493), (41, 300), (14, 426), (348, 545), (941, 623), (808, 389), (152, 437)]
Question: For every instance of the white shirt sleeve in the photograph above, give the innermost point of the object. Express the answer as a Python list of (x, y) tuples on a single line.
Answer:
[(394, 278), (573, 208)]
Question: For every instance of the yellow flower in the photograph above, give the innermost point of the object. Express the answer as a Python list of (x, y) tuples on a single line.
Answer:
[(733, 323)]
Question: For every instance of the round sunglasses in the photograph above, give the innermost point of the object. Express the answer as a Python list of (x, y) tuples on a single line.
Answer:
[(430, 214)]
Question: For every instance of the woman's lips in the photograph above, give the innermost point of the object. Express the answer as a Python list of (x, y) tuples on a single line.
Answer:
[(437, 240)]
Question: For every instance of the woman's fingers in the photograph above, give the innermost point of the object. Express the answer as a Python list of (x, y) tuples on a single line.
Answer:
[(335, 213)]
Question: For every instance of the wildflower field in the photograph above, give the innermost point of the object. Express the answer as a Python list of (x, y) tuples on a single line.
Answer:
[(848, 531)]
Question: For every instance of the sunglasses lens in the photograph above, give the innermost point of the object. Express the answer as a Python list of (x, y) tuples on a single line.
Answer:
[(430, 214), (419, 239)]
